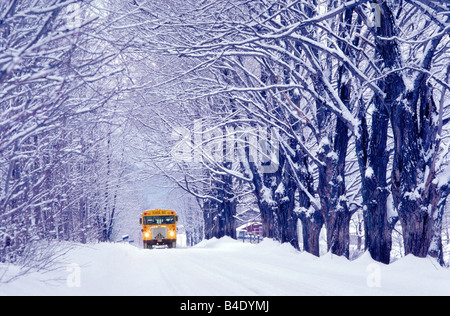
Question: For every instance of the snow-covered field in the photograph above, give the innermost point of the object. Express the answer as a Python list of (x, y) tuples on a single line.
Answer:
[(226, 267)]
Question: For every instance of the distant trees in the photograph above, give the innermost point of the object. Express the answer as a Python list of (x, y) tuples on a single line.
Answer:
[(56, 171)]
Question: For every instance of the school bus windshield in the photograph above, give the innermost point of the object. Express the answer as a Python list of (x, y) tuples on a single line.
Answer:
[(159, 220)]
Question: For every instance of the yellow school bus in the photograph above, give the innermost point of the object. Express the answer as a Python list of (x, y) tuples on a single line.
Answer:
[(159, 227)]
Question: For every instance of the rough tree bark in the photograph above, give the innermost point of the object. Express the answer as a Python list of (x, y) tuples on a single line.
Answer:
[(378, 226), (415, 123)]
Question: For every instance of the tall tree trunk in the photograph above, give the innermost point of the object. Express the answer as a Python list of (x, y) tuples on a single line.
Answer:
[(311, 218), (226, 219), (209, 209), (220, 214), (415, 194), (312, 223), (263, 196), (286, 218), (416, 135), (378, 225)]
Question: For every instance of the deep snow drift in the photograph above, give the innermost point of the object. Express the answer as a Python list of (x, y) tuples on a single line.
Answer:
[(226, 267)]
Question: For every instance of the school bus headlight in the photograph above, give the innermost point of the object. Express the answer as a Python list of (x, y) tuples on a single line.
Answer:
[(147, 234), (171, 234)]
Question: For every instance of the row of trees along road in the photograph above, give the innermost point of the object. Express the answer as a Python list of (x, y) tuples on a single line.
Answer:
[(310, 111), (356, 92)]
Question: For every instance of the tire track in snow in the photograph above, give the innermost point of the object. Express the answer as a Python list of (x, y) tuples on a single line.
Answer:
[(185, 274)]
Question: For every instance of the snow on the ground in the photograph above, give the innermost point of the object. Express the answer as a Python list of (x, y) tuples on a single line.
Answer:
[(229, 268)]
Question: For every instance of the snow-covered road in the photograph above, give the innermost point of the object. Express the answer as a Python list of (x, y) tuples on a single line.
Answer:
[(228, 267)]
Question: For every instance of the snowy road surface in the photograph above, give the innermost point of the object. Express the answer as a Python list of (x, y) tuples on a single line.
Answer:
[(227, 267)]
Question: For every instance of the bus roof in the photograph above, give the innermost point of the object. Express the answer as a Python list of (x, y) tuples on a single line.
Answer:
[(159, 212)]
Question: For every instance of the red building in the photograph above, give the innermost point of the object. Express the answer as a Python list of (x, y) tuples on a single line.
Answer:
[(252, 232), (254, 228)]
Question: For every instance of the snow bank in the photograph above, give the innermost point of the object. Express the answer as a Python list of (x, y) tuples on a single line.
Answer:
[(230, 268)]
